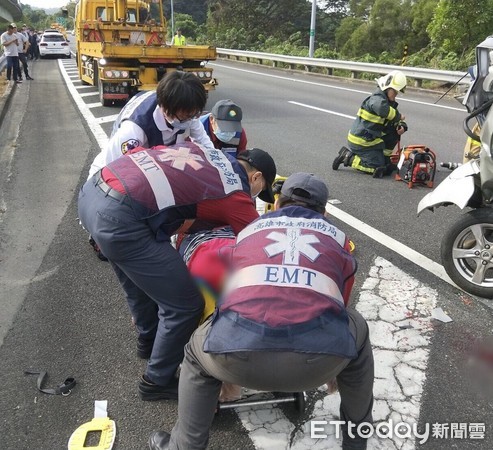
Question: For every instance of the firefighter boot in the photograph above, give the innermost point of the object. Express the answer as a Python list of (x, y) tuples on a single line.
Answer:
[(343, 157), (390, 168), (380, 172)]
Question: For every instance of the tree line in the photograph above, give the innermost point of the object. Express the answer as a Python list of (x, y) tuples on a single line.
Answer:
[(428, 33)]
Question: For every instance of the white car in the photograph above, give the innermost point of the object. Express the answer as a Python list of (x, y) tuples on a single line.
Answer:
[(54, 44)]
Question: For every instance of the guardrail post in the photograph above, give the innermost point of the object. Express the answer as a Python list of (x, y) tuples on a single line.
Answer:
[(330, 71), (418, 83), (274, 63), (308, 68), (354, 74)]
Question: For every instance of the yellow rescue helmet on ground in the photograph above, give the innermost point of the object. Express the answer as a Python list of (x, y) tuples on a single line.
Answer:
[(395, 80)]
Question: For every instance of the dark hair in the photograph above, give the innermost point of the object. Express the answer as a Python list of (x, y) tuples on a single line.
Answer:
[(181, 91), (287, 201)]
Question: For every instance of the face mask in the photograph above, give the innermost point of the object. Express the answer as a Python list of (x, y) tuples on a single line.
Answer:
[(177, 125), (225, 136)]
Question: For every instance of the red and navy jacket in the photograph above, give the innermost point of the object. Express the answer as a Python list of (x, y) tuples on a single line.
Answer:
[(290, 268), (167, 185)]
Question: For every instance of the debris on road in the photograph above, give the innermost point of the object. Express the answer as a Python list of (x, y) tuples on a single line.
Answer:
[(440, 315)]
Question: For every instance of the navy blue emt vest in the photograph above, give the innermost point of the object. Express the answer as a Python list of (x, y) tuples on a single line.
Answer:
[(140, 110), (285, 293)]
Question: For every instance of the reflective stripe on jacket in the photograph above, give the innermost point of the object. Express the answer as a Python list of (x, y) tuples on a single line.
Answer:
[(290, 268), (162, 177), (374, 119)]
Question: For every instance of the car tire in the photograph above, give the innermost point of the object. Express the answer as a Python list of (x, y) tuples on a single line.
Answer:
[(466, 247)]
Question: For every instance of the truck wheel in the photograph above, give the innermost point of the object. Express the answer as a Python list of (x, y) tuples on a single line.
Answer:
[(104, 102), (467, 252)]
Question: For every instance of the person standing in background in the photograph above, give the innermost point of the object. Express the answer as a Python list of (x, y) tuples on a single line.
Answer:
[(9, 41), (178, 38), (22, 47)]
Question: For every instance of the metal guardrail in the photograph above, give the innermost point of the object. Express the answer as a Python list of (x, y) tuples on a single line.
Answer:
[(418, 74), (3, 63)]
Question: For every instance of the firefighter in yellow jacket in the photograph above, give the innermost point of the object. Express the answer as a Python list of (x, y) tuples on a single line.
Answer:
[(376, 129)]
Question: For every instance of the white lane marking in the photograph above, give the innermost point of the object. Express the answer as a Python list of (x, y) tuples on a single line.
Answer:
[(328, 111), (391, 243), (88, 94), (400, 329), (107, 119), (328, 86), (94, 126), (93, 105), (84, 87)]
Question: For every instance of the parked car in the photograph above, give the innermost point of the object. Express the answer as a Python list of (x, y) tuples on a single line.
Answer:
[(53, 44)]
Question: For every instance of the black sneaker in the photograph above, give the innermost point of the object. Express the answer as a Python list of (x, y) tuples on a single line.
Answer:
[(379, 172), (149, 391), (159, 440), (144, 348), (29, 78), (343, 157)]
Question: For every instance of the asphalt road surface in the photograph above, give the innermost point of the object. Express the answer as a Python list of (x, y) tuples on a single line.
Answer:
[(62, 310)]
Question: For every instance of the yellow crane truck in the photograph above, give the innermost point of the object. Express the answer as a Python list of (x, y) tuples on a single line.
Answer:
[(122, 48)]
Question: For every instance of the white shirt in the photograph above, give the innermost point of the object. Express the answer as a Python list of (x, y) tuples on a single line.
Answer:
[(21, 40), (9, 45), (131, 135)]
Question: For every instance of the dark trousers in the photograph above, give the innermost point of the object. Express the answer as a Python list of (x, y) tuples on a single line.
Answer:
[(162, 297), (23, 60), (202, 374), (13, 65), (34, 51), (374, 157)]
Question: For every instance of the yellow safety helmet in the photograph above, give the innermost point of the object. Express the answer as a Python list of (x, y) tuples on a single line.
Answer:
[(395, 80)]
